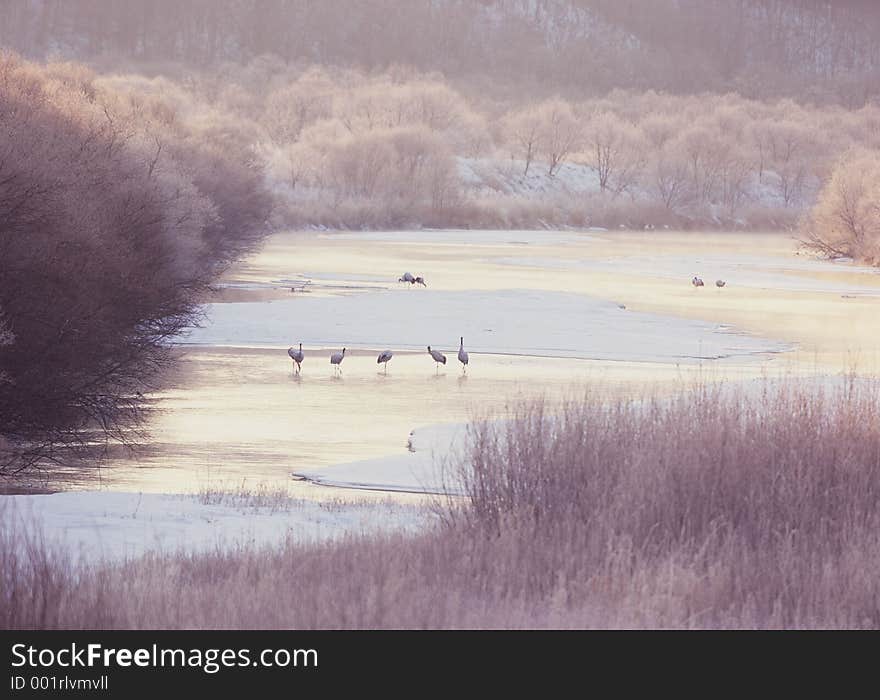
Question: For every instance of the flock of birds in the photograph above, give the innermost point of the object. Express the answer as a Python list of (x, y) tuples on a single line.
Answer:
[(297, 355), (698, 282)]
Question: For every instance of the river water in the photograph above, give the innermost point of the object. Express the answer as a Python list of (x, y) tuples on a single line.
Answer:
[(542, 314)]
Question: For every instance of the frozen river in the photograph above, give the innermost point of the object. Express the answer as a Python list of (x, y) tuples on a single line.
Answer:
[(542, 314)]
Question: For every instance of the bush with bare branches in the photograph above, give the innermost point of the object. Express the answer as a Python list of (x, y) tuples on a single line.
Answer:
[(845, 222), (714, 508), (115, 215)]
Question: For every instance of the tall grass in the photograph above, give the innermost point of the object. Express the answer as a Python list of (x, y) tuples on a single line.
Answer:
[(716, 508)]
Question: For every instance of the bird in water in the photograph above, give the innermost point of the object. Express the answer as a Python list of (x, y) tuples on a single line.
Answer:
[(336, 359), (697, 282), (462, 355), (438, 356), (383, 358), (297, 356), (720, 283)]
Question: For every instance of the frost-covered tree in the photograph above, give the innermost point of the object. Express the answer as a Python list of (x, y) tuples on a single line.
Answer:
[(116, 213), (524, 130), (846, 218), (560, 133), (615, 149)]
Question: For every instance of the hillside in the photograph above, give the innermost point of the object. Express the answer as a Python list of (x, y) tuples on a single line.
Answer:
[(814, 50)]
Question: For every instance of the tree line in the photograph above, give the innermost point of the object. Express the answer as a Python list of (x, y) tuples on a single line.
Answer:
[(349, 149), (344, 148), (116, 213)]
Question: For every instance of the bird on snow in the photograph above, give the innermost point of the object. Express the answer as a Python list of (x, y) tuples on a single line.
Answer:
[(297, 356), (438, 356), (407, 277), (462, 355), (720, 283), (697, 282), (336, 359), (420, 280), (383, 358)]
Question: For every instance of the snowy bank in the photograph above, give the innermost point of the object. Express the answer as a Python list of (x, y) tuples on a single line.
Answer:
[(512, 322), (114, 526), (795, 274), (425, 466), (435, 453)]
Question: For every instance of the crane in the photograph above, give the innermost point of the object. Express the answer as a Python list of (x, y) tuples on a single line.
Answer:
[(383, 358), (438, 357), (462, 355), (336, 359), (297, 356)]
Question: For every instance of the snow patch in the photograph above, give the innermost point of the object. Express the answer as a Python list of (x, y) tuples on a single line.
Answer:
[(113, 526), (513, 322), (426, 466)]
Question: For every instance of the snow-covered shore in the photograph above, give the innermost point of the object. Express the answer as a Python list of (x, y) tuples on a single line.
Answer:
[(513, 321), (533, 323), (113, 526), (427, 465)]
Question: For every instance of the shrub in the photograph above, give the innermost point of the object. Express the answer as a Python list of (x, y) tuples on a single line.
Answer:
[(115, 215), (846, 219), (712, 508)]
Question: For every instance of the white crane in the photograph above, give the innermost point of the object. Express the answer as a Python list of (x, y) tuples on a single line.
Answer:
[(336, 359), (297, 356), (462, 355), (697, 282), (383, 358), (438, 356)]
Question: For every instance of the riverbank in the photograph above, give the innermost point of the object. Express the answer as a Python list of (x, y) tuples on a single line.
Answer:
[(665, 514)]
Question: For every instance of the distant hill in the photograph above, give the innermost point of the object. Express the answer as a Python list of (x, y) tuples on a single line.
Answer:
[(813, 50)]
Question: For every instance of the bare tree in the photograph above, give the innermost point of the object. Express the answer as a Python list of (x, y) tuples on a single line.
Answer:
[(670, 179), (525, 130), (560, 132), (846, 219), (614, 149), (111, 228)]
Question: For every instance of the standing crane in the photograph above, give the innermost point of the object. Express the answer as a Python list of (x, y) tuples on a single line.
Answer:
[(438, 357), (383, 358), (336, 359), (297, 356), (462, 355)]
